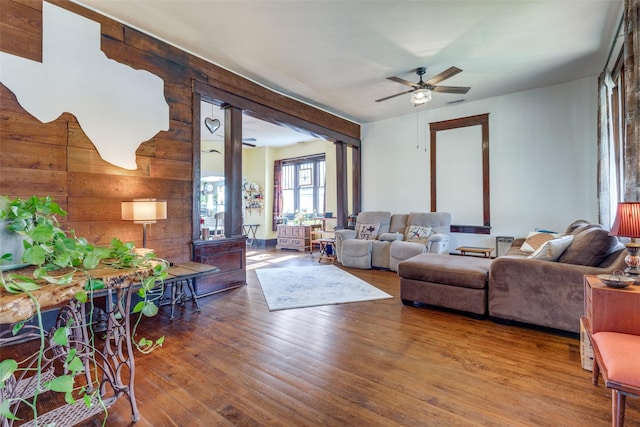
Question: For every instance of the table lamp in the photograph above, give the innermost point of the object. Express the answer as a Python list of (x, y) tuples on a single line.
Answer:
[(627, 224), (144, 211)]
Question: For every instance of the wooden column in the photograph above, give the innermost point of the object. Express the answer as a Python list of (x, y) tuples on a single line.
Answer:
[(342, 189), (356, 160), (196, 169), (233, 171)]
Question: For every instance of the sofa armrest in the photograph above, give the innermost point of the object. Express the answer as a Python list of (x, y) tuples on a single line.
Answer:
[(438, 243), (390, 237)]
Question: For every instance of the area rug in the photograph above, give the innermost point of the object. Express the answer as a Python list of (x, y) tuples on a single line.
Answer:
[(297, 287)]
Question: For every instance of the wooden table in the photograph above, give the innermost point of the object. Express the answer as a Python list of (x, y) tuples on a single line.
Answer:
[(486, 252), (111, 367)]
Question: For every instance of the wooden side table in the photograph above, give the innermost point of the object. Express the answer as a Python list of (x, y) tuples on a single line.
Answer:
[(327, 250), (485, 252), (611, 309)]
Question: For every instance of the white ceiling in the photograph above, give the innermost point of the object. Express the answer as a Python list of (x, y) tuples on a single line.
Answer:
[(337, 54)]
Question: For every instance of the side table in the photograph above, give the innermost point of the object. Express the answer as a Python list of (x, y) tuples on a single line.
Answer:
[(250, 232), (327, 250), (485, 252)]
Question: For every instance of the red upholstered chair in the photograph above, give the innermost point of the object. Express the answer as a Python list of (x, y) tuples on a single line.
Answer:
[(616, 357)]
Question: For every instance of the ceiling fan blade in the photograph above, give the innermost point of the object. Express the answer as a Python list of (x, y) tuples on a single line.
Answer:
[(401, 81), (451, 89), (211, 151), (393, 96), (249, 144), (249, 140), (446, 74)]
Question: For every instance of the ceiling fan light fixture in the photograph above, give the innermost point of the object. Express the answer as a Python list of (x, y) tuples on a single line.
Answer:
[(420, 96)]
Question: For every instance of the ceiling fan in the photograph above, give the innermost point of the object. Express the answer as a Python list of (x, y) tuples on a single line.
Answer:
[(421, 91)]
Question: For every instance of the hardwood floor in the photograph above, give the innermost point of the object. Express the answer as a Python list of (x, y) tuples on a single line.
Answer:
[(363, 364)]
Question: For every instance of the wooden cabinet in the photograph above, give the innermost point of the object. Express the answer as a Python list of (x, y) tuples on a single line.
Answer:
[(294, 237), (610, 309), (229, 255)]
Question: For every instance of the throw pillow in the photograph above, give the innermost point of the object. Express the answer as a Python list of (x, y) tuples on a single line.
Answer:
[(535, 239), (589, 247), (552, 249), (416, 233), (367, 231)]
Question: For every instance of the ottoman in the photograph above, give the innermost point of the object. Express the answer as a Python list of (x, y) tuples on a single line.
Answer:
[(450, 281)]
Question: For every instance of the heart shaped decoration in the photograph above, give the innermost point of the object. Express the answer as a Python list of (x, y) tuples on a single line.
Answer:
[(212, 124)]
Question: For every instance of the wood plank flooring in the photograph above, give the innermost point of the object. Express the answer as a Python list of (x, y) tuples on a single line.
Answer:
[(363, 364)]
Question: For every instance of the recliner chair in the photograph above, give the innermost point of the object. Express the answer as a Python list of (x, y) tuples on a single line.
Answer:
[(389, 246)]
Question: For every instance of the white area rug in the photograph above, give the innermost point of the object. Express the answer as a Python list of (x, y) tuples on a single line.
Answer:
[(297, 287)]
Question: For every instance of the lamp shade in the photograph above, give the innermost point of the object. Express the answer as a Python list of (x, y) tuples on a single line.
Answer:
[(144, 211), (627, 222)]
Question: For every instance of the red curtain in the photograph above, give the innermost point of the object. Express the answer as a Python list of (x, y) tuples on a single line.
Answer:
[(277, 193)]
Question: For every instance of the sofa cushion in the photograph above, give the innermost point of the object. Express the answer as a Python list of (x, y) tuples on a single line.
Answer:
[(367, 231), (535, 239), (466, 272), (416, 233), (375, 217), (398, 223), (575, 225), (552, 249), (440, 222), (589, 247)]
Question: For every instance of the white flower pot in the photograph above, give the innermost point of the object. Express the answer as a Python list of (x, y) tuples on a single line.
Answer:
[(11, 243)]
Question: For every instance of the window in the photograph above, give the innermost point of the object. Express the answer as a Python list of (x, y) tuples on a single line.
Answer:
[(303, 183), (611, 165)]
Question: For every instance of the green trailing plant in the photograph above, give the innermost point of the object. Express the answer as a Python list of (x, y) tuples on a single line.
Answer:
[(58, 256)]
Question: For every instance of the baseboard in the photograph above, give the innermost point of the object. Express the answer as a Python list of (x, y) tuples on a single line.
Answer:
[(263, 243)]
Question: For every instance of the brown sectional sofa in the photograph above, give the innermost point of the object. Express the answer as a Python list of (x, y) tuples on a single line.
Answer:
[(537, 292)]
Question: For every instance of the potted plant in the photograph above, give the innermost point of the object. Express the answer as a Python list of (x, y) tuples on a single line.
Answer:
[(58, 256)]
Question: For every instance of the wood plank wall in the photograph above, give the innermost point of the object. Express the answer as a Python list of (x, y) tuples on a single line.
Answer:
[(57, 158)]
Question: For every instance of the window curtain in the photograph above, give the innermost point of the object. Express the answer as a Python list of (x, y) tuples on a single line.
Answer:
[(607, 165), (277, 193)]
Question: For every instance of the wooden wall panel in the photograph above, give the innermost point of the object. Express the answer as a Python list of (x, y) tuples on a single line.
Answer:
[(19, 154), (34, 182), (21, 29), (25, 128), (89, 161), (170, 169), (172, 149), (59, 160)]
